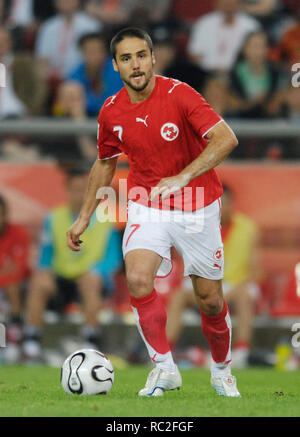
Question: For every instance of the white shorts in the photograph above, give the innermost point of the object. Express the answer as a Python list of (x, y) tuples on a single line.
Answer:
[(195, 235)]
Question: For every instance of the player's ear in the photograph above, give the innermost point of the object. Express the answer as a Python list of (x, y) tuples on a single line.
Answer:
[(115, 65), (153, 58)]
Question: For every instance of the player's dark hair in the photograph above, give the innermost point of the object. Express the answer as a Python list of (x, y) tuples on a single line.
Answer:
[(3, 204), (129, 32), (99, 36)]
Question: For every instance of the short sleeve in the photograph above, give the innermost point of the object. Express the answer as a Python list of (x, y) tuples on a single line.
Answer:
[(199, 113), (108, 142)]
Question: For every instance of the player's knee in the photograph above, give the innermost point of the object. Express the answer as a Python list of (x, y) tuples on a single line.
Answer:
[(139, 283), (212, 304)]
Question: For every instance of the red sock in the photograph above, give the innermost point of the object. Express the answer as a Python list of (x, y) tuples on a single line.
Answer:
[(151, 319), (217, 330)]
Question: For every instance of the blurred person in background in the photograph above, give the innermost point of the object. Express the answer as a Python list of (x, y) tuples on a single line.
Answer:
[(289, 45), (218, 96), (64, 273), (254, 80), (95, 73), (217, 37), (22, 18), (70, 102), (10, 103), (117, 13), (14, 253), (242, 272), (287, 104), (25, 90), (57, 39), (170, 64)]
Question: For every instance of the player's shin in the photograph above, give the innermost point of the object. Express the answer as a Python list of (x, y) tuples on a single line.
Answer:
[(150, 316), (217, 330)]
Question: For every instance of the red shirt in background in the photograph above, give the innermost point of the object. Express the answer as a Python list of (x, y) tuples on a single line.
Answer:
[(14, 249)]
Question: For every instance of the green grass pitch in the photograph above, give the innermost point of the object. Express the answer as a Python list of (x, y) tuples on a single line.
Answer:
[(36, 391)]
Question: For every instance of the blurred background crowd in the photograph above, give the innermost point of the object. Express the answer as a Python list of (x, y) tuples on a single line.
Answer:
[(240, 55)]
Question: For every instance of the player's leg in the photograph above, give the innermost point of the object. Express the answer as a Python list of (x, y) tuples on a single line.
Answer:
[(90, 288), (202, 250), (150, 315), (216, 326), (42, 286)]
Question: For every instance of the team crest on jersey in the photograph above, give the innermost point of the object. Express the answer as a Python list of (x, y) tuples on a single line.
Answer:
[(218, 254), (169, 131)]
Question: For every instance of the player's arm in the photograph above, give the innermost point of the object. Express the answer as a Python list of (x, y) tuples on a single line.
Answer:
[(221, 142), (101, 175)]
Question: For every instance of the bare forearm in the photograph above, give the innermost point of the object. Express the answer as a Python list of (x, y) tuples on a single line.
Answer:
[(101, 175), (221, 144)]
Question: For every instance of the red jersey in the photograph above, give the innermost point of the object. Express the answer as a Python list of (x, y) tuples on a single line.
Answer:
[(14, 246), (161, 136)]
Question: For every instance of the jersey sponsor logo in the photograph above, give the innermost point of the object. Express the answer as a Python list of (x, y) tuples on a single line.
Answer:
[(112, 100), (218, 254), (142, 120), (169, 131), (176, 83), (217, 265), (119, 129)]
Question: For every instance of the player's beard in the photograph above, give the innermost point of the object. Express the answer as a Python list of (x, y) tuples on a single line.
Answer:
[(138, 88)]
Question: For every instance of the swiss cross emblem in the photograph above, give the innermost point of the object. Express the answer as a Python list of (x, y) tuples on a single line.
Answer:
[(169, 131), (218, 254)]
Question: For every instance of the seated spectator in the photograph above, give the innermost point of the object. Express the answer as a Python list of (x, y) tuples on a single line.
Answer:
[(14, 251), (57, 39), (61, 271), (10, 104), (70, 102), (169, 63), (218, 36), (25, 91), (218, 96), (241, 275), (96, 73), (287, 104), (254, 79)]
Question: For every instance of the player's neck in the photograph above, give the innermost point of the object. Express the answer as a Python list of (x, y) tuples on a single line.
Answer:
[(140, 96)]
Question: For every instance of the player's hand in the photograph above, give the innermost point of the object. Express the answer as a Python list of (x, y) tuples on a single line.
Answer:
[(169, 185), (73, 234)]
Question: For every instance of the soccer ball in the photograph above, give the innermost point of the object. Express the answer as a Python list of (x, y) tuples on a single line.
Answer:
[(87, 372)]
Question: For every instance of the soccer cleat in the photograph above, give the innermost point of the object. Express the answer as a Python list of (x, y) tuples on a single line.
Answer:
[(160, 381), (225, 386)]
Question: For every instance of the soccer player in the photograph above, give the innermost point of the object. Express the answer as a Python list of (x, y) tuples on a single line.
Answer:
[(173, 140)]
